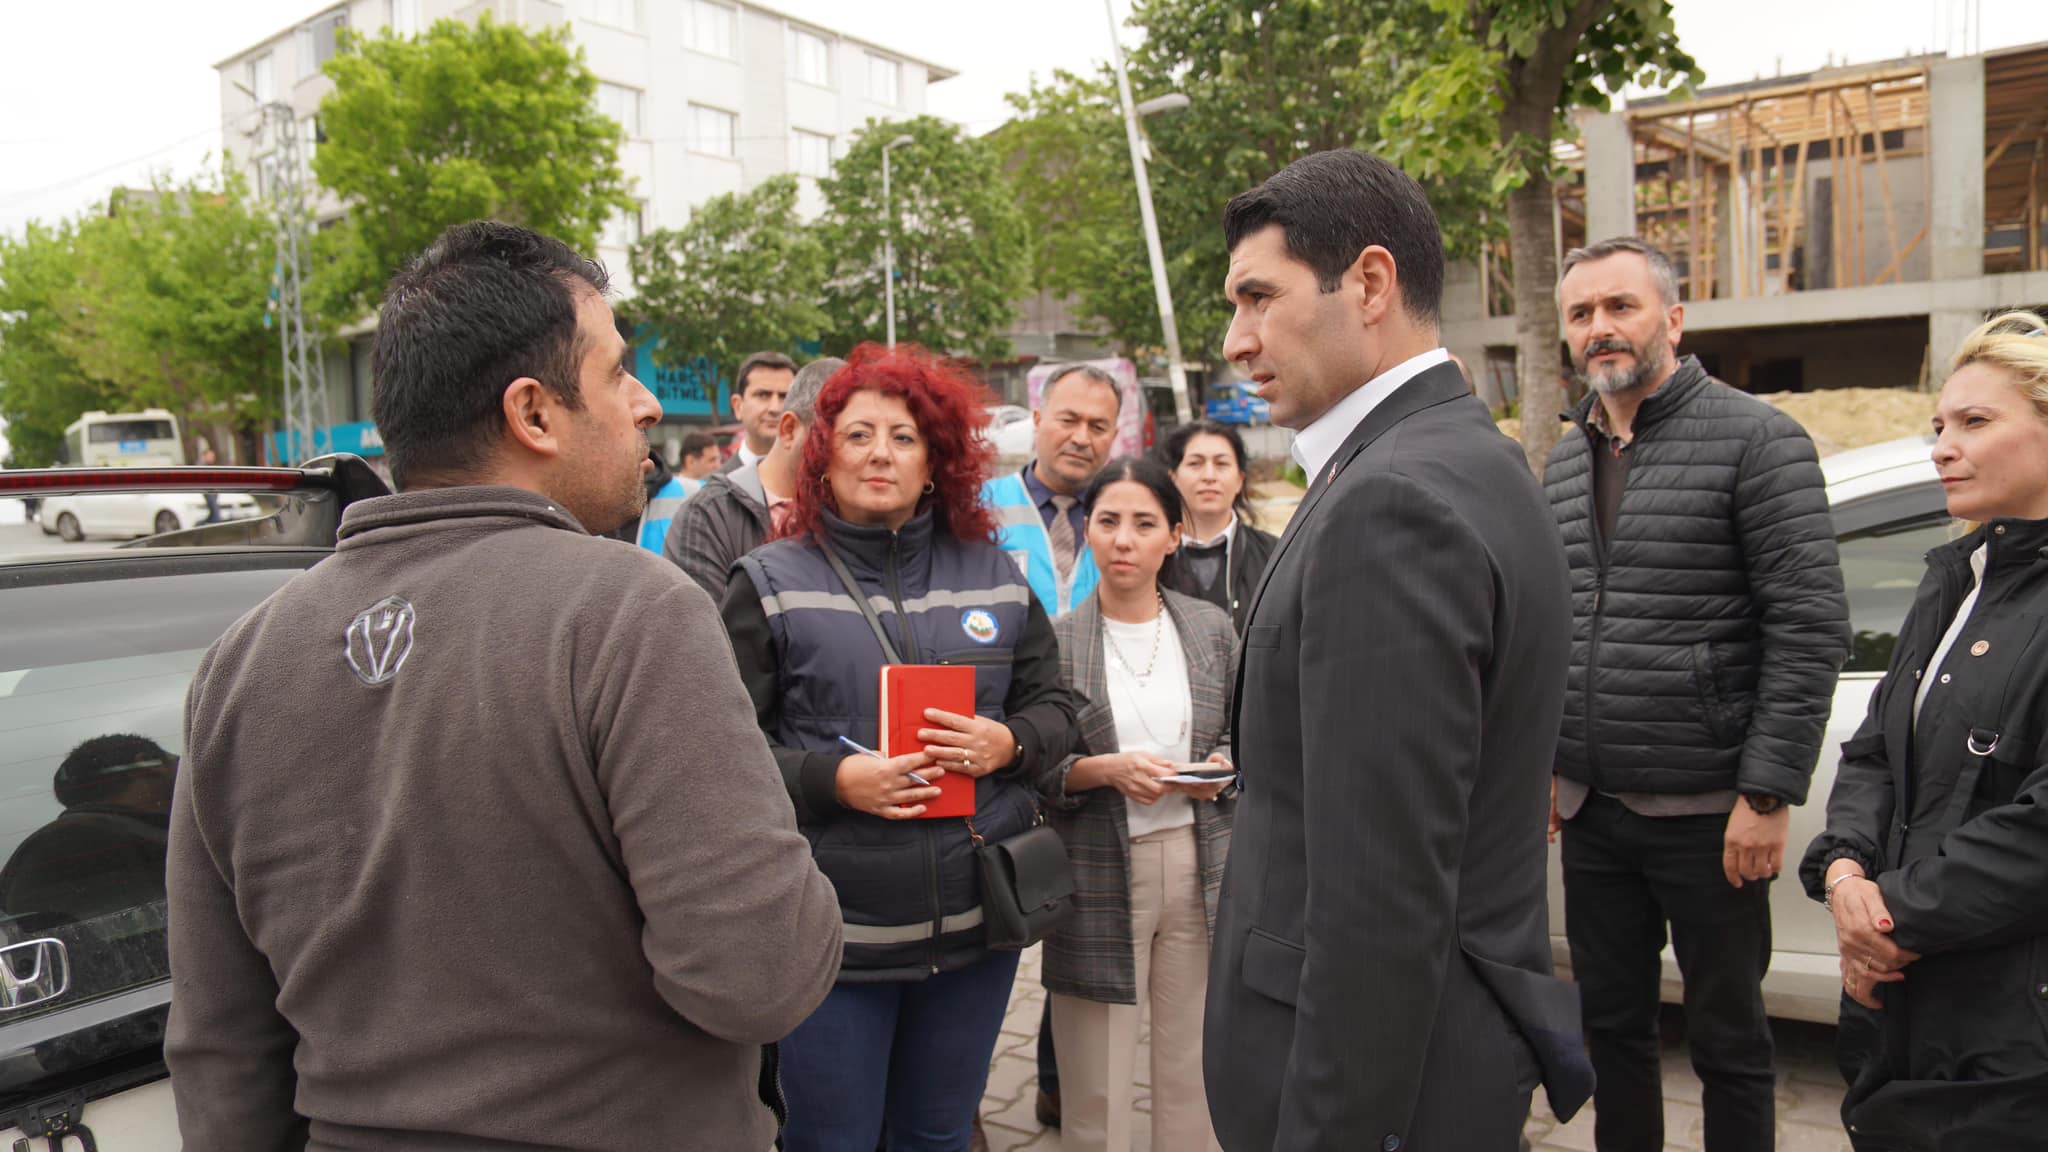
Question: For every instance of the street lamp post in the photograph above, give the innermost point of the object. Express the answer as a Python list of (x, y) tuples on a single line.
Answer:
[(889, 243), (1167, 323)]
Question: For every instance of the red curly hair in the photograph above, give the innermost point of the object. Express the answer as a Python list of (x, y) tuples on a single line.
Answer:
[(947, 405)]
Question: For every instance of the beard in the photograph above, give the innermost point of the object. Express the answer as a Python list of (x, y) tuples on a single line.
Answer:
[(1652, 360)]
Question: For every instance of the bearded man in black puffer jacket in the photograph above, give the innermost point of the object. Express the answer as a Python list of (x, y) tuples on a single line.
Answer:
[(1709, 623)]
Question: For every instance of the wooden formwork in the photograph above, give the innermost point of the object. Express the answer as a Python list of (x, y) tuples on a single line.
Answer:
[(1725, 183), (2015, 159)]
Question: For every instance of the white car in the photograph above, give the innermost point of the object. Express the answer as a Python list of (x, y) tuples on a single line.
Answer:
[(1889, 511), (136, 513), (1010, 430)]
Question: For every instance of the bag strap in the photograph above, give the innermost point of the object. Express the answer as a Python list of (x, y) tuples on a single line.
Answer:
[(853, 589)]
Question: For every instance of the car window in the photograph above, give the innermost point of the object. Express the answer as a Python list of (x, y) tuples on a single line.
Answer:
[(1881, 569), (93, 675)]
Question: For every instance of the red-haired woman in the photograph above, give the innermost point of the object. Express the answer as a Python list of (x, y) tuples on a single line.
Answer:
[(887, 498)]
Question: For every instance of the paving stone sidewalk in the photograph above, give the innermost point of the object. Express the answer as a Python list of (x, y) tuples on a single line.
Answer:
[(1809, 1090)]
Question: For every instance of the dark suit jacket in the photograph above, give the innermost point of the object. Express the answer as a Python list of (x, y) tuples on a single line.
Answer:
[(1381, 970)]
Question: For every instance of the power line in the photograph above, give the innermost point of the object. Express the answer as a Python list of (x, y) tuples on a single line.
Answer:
[(11, 198)]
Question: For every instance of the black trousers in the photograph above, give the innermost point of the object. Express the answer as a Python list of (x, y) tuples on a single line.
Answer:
[(1625, 878)]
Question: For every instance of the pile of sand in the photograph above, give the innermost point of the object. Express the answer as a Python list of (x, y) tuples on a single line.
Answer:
[(1841, 418)]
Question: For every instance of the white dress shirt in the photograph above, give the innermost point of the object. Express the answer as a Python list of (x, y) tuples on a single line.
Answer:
[(748, 455), (1315, 444)]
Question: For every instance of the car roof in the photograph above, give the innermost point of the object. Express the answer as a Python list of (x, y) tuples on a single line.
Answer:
[(1879, 468)]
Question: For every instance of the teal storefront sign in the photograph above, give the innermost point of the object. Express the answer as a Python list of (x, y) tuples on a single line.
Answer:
[(686, 389), (360, 439)]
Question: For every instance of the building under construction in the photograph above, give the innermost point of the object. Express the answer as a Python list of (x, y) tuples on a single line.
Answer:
[(1840, 229)]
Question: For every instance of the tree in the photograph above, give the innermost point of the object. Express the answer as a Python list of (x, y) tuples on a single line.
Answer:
[(176, 298), (465, 122), (962, 249), (742, 276), (43, 386), (1532, 62), (160, 302), (1269, 81)]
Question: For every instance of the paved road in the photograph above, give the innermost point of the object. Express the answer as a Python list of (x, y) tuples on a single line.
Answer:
[(19, 539), (1809, 1090)]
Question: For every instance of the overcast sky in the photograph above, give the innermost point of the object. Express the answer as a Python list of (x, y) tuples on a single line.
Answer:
[(97, 93)]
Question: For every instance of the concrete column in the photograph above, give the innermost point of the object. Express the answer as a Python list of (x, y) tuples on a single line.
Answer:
[(1945, 331), (1955, 130), (1611, 175)]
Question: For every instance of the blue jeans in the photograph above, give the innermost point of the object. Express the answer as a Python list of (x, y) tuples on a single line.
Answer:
[(915, 1053)]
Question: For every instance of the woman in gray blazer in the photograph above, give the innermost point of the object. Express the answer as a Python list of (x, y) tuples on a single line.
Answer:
[(1154, 668)]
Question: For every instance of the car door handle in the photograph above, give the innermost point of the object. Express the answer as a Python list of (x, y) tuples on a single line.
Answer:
[(33, 972)]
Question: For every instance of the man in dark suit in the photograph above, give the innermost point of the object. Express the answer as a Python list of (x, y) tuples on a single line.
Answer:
[(1381, 974)]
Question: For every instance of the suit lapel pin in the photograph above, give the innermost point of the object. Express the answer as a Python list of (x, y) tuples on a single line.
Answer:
[(1980, 647)]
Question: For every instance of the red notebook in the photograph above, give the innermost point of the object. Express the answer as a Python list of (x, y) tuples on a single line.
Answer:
[(909, 689)]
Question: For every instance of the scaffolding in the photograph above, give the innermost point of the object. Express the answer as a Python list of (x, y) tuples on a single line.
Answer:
[(2015, 161)]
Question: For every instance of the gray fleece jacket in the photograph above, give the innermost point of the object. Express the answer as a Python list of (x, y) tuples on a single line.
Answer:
[(463, 857)]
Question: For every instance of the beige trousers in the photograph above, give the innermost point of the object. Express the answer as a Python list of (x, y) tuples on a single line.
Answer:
[(1098, 1043)]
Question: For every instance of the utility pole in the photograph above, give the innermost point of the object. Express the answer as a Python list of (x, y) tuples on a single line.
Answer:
[(305, 394), (1168, 324)]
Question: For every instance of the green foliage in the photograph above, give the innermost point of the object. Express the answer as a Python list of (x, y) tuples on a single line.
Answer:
[(1269, 82), (43, 386), (160, 304), (962, 247), (742, 276), (465, 122)]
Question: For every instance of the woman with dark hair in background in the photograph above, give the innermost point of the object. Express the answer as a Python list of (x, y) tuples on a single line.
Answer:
[(1935, 858), (887, 500), (1153, 668), (1222, 555)]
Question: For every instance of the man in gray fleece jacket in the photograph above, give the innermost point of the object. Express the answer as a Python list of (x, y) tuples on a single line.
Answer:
[(460, 857)]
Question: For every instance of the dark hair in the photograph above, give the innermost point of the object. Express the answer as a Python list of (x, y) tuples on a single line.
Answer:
[(97, 770), (1333, 206), (947, 406), (802, 401), (696, 442), (484, 305), (1154, 476), (759, 360), (1174, 449), (1660, 264), (1088, 372)]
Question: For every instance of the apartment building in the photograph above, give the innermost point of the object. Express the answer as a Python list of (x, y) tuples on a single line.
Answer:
[(1844, 228), (715, 97)]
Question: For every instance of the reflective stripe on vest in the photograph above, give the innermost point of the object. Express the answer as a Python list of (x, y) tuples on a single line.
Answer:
[(910, 933), (780, 602)]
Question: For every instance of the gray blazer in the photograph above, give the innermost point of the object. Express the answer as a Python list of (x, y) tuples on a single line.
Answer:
[(1380, 976), (1091, 956)]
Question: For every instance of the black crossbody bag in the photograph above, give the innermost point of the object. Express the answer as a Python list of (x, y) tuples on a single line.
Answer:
[(1027, 884)]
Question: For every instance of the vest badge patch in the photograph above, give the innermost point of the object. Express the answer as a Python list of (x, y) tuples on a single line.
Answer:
[(980, 625)]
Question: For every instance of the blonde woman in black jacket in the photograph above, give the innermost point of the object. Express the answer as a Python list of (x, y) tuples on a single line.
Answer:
[(1935, 858)]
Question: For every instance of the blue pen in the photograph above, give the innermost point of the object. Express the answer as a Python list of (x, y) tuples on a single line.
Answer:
[(877, 755)]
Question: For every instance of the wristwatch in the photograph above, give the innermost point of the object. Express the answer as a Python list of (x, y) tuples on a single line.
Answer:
[(1763, 803)]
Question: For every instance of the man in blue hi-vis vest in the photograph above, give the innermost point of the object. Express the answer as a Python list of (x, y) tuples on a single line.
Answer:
[(1038, 510), (1039, 522)]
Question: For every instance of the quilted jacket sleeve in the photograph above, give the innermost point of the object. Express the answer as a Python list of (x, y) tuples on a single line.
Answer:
[(1795, 580)]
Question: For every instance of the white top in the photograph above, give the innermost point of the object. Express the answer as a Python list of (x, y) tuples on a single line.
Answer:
[(1153, 717), (1225, 535), (748, 455), (1955, 629), (1316, 443)]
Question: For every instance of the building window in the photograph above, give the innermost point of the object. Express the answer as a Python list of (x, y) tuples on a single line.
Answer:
[(318, 41), (713, 28), (712, 130), (811, 154), (617, 13), (621, 104), (884, 80), (310, 139), (623, 229), (263, 78), (404, 17), (810, 58)]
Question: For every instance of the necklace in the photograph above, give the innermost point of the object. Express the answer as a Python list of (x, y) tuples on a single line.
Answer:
[(1158, 628)]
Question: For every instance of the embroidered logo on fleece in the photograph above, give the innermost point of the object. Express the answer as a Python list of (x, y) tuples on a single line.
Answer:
[(378, 640)]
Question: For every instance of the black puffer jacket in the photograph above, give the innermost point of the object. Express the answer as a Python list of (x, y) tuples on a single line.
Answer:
[(1707, 633), (1950, 817)]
